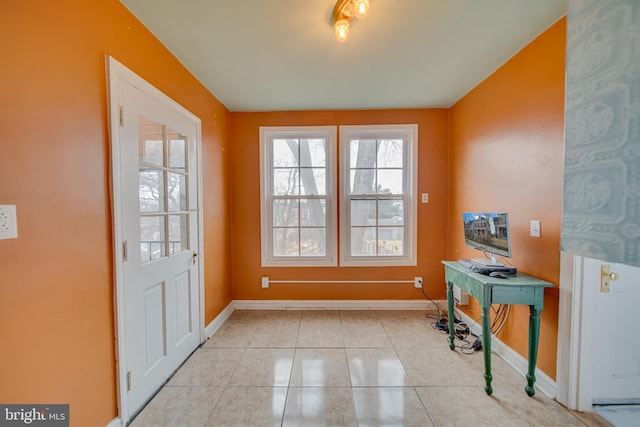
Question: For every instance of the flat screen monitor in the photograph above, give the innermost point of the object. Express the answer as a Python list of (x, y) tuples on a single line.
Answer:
[(489, 233)]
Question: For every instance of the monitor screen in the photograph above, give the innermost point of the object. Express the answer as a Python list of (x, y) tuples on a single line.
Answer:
[(488, 232)]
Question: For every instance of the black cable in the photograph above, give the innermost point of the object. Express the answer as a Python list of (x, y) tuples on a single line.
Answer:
[(461, 330)]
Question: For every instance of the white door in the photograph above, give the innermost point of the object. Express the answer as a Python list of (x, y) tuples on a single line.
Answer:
[(615, 346), (157, 231)]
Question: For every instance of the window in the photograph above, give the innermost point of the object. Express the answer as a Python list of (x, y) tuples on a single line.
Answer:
[(298, 196), (378, 219)]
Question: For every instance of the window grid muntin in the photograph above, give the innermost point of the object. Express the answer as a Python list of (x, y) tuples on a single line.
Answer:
[(326, 184), (163, 168), (409, 134), (376, 194)]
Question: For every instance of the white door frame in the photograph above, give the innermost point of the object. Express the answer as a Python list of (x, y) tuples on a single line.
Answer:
[(576, 345), (118, 72), (574, 359)]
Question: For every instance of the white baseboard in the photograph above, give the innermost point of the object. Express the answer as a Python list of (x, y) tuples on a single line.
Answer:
[(215, 324), (544, 383), (335, 304), (116, 422)]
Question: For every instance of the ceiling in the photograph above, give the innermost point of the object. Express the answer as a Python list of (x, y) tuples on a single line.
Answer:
[(280, 55)]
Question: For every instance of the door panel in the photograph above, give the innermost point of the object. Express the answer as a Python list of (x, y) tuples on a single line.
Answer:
[(616, 352), (183, 306), (154, 324)]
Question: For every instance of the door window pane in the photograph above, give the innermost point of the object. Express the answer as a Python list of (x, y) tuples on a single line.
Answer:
[(151, 189), (177, 190), (178, 232), (150, 142), (152, 242), (177, 150)]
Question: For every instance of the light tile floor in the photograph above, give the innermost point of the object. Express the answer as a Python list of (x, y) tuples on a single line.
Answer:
[(342, 368)]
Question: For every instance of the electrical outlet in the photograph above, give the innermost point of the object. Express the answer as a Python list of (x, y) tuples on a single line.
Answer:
[(417, 282), (534, 228), (265, 282), (8, 222), (425, 197)]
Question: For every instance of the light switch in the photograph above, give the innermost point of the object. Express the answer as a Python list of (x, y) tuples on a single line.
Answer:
[(8, 222), (534, 228)]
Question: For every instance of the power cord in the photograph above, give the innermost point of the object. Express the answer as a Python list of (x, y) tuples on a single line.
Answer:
[(462, 331)]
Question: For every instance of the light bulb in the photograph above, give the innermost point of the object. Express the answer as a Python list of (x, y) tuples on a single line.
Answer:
[(342, 30), (362, 8)]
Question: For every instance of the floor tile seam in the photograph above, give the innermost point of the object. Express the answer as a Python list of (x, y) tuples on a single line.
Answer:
[(214, 406), (426, 408), (236, 367)]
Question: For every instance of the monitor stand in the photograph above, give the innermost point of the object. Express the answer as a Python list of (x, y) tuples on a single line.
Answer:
[(488, 262)]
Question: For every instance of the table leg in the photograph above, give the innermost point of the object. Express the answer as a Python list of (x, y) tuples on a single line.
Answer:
[(534, 334), (486, 349), (450, 314)]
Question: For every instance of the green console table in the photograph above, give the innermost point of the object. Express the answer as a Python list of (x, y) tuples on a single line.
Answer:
[(520, 289)]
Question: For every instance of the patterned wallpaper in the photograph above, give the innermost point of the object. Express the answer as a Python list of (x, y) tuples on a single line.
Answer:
[(601, 212)]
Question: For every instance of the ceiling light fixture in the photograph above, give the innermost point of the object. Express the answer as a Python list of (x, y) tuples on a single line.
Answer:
[(344, 12)]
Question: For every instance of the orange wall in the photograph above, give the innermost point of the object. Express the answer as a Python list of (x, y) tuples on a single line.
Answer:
[(56, 281), (507, 139), (245, 198)]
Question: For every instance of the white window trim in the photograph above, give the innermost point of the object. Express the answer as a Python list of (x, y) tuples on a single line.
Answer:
[(267, 134), (410, 133)]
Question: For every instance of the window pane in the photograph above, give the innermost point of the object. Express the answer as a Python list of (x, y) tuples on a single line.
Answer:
[(151, 189), (391, 212), (363, 241), (178, 232), (313, 212), (391, 241), (312, 153), (152, 242), (362, 181), (177, 150), (285, 182), (150, 141), (390, 181), (390, 153), (285, 153), (285, 242), (362, 153), (363, 212), (177, 187), (313, 181), (285, 212), (312, 241)]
